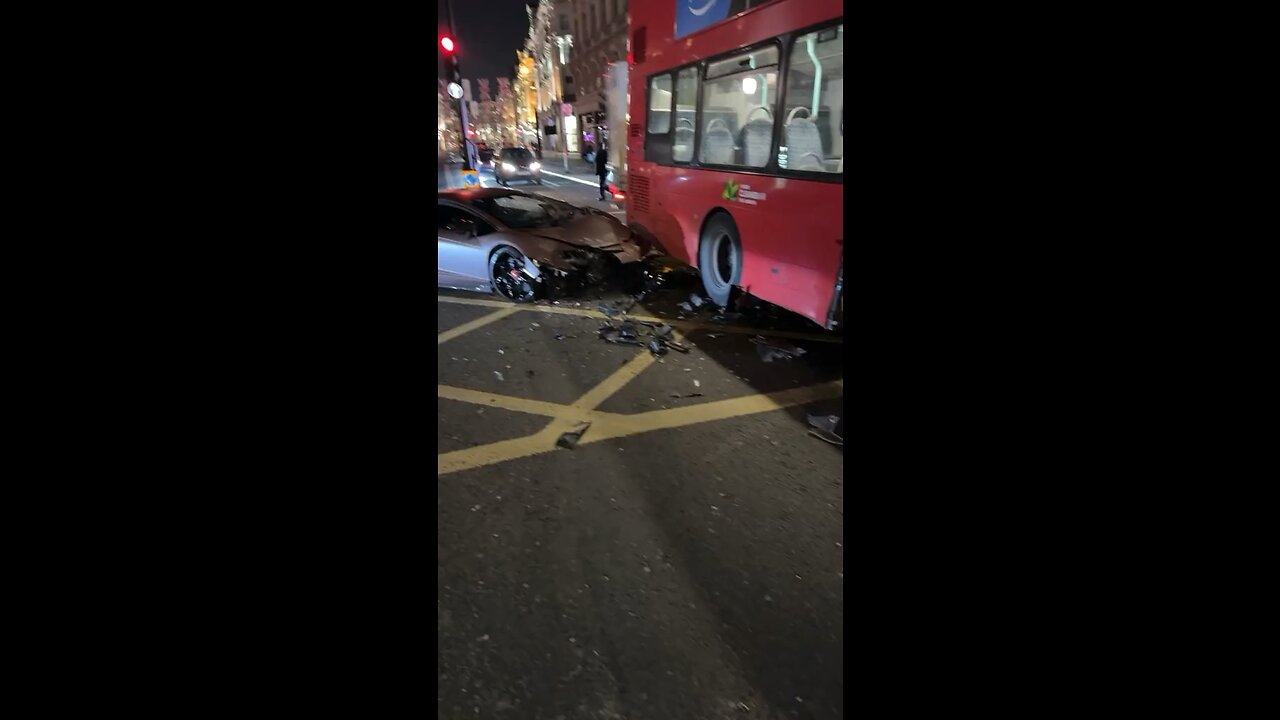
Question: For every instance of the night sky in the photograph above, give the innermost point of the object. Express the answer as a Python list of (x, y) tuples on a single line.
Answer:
[(488, 34)]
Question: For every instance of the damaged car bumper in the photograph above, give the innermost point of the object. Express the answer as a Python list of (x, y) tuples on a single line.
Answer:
[(573, 270)]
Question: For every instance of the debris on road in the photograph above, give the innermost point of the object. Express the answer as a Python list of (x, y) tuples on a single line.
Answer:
[(828, 428), (771, 350), (495, 372), (697, 384), (501, 352), (697, 301), (658, 339), (678, 396), (686, 307), (614, 335), (569, 440)]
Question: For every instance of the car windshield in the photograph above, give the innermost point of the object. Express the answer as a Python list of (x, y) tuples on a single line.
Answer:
[(525, 211), (516, 154)]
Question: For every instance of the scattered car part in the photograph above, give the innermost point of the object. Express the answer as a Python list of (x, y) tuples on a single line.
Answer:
[(771, 350), (569, 440), (828, 428)]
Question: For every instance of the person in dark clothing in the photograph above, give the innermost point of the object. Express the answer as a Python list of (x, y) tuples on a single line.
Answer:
[(602, 160)]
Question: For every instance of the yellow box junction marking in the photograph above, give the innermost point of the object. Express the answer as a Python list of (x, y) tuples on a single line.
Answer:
[(479, 322), (604, 425), (685, 325)]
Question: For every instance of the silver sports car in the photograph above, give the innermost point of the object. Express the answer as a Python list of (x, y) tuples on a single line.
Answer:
[(526, 246)]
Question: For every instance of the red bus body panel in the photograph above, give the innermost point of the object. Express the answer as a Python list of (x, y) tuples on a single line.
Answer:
[(793, 237)]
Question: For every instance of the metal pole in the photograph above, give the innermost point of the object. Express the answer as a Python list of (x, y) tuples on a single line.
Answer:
[(457, 77), (537, 109), (559, 84)]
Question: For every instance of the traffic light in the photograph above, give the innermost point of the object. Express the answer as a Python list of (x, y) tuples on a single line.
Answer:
[(446, 42)]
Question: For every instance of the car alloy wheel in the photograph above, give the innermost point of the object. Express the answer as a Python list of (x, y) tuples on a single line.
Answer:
[(507, 271)]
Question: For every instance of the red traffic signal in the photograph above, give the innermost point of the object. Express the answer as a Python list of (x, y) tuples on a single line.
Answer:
[(446, 42)]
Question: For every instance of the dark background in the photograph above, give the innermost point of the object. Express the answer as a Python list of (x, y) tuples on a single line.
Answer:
[(488, 34)]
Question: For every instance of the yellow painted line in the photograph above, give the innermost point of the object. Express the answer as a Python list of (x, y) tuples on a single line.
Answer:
[(543, 441), (686, 325), (474, 301), (467, 327), (508, 402), (497, 452), (608, 426), (612, 384), (713, 411)]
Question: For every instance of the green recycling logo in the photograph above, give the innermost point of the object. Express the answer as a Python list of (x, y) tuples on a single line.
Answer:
[(742, 194)]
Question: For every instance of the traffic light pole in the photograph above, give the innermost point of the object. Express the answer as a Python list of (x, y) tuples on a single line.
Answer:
[(456, 72)]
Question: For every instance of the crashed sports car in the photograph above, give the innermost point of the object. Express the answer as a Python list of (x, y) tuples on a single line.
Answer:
[(526, 246)]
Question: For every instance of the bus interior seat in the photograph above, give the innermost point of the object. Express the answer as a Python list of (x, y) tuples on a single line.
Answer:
[(717, 143), (682, 147), (757, 136), (804, 144)]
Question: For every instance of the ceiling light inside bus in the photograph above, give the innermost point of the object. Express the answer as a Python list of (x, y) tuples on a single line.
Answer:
[(749, 85)]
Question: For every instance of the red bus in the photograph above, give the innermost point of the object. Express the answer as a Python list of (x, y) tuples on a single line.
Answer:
[(735, 145)]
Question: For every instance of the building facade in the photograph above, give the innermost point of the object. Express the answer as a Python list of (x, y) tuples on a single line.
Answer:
[(526, 99), (598, 37), (548, 44)]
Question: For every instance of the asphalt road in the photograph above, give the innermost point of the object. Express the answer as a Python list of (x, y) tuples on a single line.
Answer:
[(684, 560), (576, 187)]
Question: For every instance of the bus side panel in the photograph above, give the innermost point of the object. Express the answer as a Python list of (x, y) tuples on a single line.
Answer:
[(791, 230), (793, 243)]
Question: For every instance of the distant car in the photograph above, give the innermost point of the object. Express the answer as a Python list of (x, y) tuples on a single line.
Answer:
[(525, 246), (517, 164), (486, 156)]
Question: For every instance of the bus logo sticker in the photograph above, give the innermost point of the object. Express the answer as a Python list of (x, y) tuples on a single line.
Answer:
[(741, 193)]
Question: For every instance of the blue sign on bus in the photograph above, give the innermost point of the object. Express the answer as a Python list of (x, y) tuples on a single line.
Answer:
[(693, 15)]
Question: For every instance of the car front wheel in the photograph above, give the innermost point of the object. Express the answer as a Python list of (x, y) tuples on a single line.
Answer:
[(506, 273)]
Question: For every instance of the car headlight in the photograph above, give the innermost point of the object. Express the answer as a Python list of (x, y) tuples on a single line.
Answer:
[(508, 167), (535, 166)]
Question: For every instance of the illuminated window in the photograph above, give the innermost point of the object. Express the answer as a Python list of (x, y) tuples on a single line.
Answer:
[(813, 129)]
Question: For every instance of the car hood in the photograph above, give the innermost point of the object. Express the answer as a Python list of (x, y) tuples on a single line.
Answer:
[(600, 232)]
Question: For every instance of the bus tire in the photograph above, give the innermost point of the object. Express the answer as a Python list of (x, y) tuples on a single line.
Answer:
[(720, 258)]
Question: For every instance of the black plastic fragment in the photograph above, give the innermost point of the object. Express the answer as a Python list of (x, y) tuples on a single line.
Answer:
[(569, 440), (828, 428)]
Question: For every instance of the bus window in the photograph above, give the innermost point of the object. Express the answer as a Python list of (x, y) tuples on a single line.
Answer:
[(686, 101), (813, 129), (659, 105), (740, 96)]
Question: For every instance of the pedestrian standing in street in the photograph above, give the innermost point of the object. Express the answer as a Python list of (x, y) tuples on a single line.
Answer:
[(602, 169)]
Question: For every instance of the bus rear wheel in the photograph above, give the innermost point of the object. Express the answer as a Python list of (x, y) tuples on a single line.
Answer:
[(720, 258)]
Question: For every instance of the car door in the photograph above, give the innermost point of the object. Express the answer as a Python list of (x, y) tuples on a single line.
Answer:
[(461, 260)]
